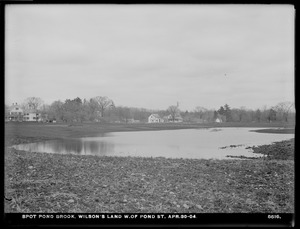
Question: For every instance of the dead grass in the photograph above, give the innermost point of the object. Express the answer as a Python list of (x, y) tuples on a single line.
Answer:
[(38, 182)]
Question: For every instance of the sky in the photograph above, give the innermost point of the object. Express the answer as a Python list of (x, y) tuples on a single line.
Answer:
[(151, 56)]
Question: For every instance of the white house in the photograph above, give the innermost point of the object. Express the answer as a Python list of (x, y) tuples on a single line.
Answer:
[(16, 113), (30, 116), (154, 118), (177, 118), (218, 120), (132, 120)]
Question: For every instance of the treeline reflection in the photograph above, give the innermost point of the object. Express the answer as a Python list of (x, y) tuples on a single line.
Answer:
[(71, 147)]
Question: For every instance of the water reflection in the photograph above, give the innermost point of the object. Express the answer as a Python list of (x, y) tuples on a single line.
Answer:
[(68, 146), (191, 143)]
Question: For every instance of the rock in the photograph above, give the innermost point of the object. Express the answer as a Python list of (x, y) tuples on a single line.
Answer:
[(178, 205), (70, 201), (30, 167), (186, 206), (199, 206), (104, 186)]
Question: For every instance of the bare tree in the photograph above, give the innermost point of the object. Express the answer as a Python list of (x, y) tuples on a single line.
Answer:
[(103, 103), (33, 103), (257, 115), (173, 110), (200, 111), (284, 109)]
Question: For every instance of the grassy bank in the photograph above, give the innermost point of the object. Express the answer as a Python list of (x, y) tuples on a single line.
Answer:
[(40, 182), (41, 131)]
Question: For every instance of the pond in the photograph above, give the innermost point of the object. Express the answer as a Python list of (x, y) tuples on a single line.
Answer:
[(205, 143)]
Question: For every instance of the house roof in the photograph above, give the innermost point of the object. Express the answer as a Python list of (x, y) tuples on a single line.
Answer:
[(15, 106), (176, 116), (30, 111), (155, 115)]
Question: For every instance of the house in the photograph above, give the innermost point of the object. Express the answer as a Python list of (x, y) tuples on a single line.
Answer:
[(131, 120), (177, 118), (16, 113), (218, 120), (31, 115), (166, 118), (154, 118)]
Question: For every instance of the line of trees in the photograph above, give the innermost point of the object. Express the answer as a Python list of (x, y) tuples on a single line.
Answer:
[(103, 109), (282, 112), (97, 109)]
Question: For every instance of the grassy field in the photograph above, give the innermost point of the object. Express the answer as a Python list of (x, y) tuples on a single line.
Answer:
[(41, 131), (40, 182)]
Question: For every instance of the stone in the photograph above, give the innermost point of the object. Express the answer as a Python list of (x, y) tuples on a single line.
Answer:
[(199, 206), (186, 206)]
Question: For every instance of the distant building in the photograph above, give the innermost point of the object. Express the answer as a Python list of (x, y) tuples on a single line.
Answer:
[(131, 120), (32, 116), (166, 118), (154, 118), (177, 118), (218, 120), (16, 113)]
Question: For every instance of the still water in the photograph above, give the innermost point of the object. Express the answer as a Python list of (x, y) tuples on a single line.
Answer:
[(189, 143)]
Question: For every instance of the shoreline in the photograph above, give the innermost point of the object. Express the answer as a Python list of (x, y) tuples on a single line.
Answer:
[(34, 132)]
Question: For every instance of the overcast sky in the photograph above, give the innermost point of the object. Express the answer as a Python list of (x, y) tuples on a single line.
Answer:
[(151, 56)]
